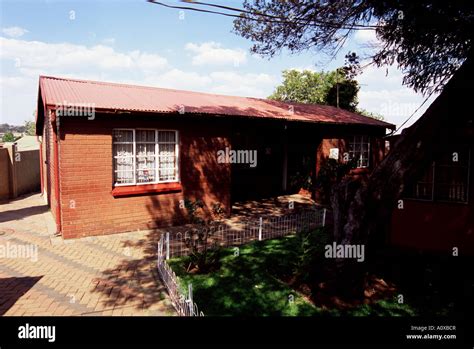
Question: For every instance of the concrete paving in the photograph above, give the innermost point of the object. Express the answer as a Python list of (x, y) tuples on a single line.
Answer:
[(41, 274)]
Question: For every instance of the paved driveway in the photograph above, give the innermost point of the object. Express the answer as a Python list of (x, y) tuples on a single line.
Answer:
[(44, 275)]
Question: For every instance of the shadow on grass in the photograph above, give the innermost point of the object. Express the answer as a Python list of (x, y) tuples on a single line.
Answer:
[(434, 284), (250, 283), (243, 284)]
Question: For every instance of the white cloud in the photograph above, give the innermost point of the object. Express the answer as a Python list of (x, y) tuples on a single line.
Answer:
[(365, 36), (366, 42), (12, 81), (221, 82), (36, 55), (254, 85), (384, 94), (211, 53), (23, 61), (302, 69), (14, 32), (177, 79)]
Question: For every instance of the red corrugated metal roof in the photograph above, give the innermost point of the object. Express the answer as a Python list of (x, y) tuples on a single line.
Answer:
[(113, 96)]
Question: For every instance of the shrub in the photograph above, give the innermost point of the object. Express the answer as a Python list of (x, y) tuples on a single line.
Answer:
[(309, 252), (192, 208), (205, 250)]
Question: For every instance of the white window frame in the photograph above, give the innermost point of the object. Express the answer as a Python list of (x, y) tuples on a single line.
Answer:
[(353, 141), (157, 181), (133, 155), (435, 198)]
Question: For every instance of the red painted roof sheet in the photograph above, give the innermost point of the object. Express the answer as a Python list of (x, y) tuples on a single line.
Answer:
[(113, 96)]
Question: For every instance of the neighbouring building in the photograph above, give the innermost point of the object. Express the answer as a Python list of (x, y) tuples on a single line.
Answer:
[(19, 168), (437, 214), (119, 158)]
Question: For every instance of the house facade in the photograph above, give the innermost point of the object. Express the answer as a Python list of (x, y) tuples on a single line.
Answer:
[(118, 158), (436, 213)]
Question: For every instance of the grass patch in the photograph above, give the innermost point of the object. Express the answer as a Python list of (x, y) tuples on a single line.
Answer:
[(246, 284), (249, 283)]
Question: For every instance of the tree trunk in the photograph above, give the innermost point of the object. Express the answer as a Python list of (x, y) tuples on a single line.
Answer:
[(362, 209)]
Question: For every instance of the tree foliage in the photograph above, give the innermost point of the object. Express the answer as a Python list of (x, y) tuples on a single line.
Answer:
[(317, 88), (322, 88), (30, 128), (370, 114), (8, 137), (427, 40)]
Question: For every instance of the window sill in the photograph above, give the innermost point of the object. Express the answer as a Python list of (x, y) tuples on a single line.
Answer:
[(130, 190)]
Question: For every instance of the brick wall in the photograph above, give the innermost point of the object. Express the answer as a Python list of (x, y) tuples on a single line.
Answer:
[(49, 146), (376, 155), (87, 205), (4, 174)]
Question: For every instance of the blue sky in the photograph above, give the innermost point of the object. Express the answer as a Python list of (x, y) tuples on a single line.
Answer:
[(141, 43)]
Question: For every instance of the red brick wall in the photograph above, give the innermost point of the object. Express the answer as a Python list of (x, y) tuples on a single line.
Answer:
[(88, 207), (337, 139), (377, 151), (50, 168), (435, 226)]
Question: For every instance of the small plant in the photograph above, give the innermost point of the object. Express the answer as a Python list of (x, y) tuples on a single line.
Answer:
[(218, 212), (204, 255), (305, 250), (309, 251), (205, 250), (192, 208)]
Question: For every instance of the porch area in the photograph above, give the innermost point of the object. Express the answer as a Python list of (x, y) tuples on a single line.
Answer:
[(288, 156)]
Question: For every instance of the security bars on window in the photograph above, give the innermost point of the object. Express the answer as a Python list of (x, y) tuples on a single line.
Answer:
[(145, 156), (444, 180)]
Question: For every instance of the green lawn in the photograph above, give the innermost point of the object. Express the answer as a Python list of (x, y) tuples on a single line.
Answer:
[(249, 283)]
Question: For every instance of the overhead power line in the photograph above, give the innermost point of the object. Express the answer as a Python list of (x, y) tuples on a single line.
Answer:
[(260, 17), (412, 114)]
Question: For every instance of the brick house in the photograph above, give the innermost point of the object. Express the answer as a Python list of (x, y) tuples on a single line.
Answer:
[(119, 158)]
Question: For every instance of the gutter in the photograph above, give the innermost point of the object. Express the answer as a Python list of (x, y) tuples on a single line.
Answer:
[(173, 113)]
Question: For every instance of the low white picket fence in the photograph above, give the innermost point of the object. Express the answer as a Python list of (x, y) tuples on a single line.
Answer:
[(183, 303), (222, 235)]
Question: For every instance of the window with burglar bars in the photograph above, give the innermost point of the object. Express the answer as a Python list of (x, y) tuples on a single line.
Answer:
[(359, 149), (145, 156), (446, 179)]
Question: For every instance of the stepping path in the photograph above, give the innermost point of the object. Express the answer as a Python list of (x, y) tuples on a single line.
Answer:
[(107, 275)]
